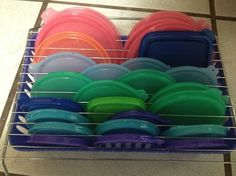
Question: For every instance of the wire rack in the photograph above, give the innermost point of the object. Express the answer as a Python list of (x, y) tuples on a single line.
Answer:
[(94, 153)]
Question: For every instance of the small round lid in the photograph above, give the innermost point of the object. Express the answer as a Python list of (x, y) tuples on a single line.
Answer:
[(127, 126), (59, 84), (105, 71), (149, 80)]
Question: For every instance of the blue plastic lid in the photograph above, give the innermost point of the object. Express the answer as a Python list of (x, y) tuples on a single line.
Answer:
[(30, 104), (187, 48)]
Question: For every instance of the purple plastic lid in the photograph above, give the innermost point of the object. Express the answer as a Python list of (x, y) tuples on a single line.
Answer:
[(195, 143), (46, 140), (128, 141), (141, 115)]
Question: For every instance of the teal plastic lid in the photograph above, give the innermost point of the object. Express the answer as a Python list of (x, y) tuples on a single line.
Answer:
[(107, 88), (59, 85), (195, 74), (197, 131), (147, 79), (50, 115), (59, 128), (127, 126), (108, 106)]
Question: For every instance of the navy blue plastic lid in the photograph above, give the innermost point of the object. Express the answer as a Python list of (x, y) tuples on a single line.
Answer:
[(30, 104), (187, 47)]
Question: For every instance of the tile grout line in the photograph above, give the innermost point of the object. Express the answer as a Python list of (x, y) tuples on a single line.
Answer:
[(227, 157)]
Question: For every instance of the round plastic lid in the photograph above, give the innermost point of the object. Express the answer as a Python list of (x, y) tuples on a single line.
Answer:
[(127, 126), (149, 80), (63, 61), (74, 42), (59, 84), (105, 71), (105, 107)]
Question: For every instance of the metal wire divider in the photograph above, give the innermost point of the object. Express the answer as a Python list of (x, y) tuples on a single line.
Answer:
[(230, 108)]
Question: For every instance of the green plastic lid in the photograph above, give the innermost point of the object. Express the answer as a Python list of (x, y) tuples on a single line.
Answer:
[(176, 87), (197, 131), (192, 107), (107, 88), (111, 105), (59, 128), (127, 126), (59, 85), (147, 79)]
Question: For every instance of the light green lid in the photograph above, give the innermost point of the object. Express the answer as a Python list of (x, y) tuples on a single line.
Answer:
[(111, 105)]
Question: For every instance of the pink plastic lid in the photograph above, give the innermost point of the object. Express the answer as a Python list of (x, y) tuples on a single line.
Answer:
[(82, 20)]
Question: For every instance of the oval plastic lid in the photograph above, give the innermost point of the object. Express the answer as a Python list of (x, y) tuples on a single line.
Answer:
[(192, 107), (107, 88), (74, 42), (111, 105), (147, 79), (127, 126), (145, 63), (195, 74), (63, 61), (59, 84), (105, 71)]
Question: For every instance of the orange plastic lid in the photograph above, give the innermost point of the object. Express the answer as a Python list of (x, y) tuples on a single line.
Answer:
[(74, 42)]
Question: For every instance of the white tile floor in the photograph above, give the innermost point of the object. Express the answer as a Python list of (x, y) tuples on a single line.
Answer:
[(18, 16)]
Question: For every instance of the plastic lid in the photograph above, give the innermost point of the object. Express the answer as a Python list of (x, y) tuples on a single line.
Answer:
[(31, 104), (59, 84), (63, 61), (195, 74), (44, 115), (71, 41), (127, 126), (145, 63), (105, 71), (192, 107), (149, 80), (59, 128), (197, 131), (173, 88), (141, 115), (128, 141), (107, 88), (105, 107)]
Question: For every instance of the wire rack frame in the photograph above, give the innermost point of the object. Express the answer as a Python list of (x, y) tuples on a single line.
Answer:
[(223, 86)]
